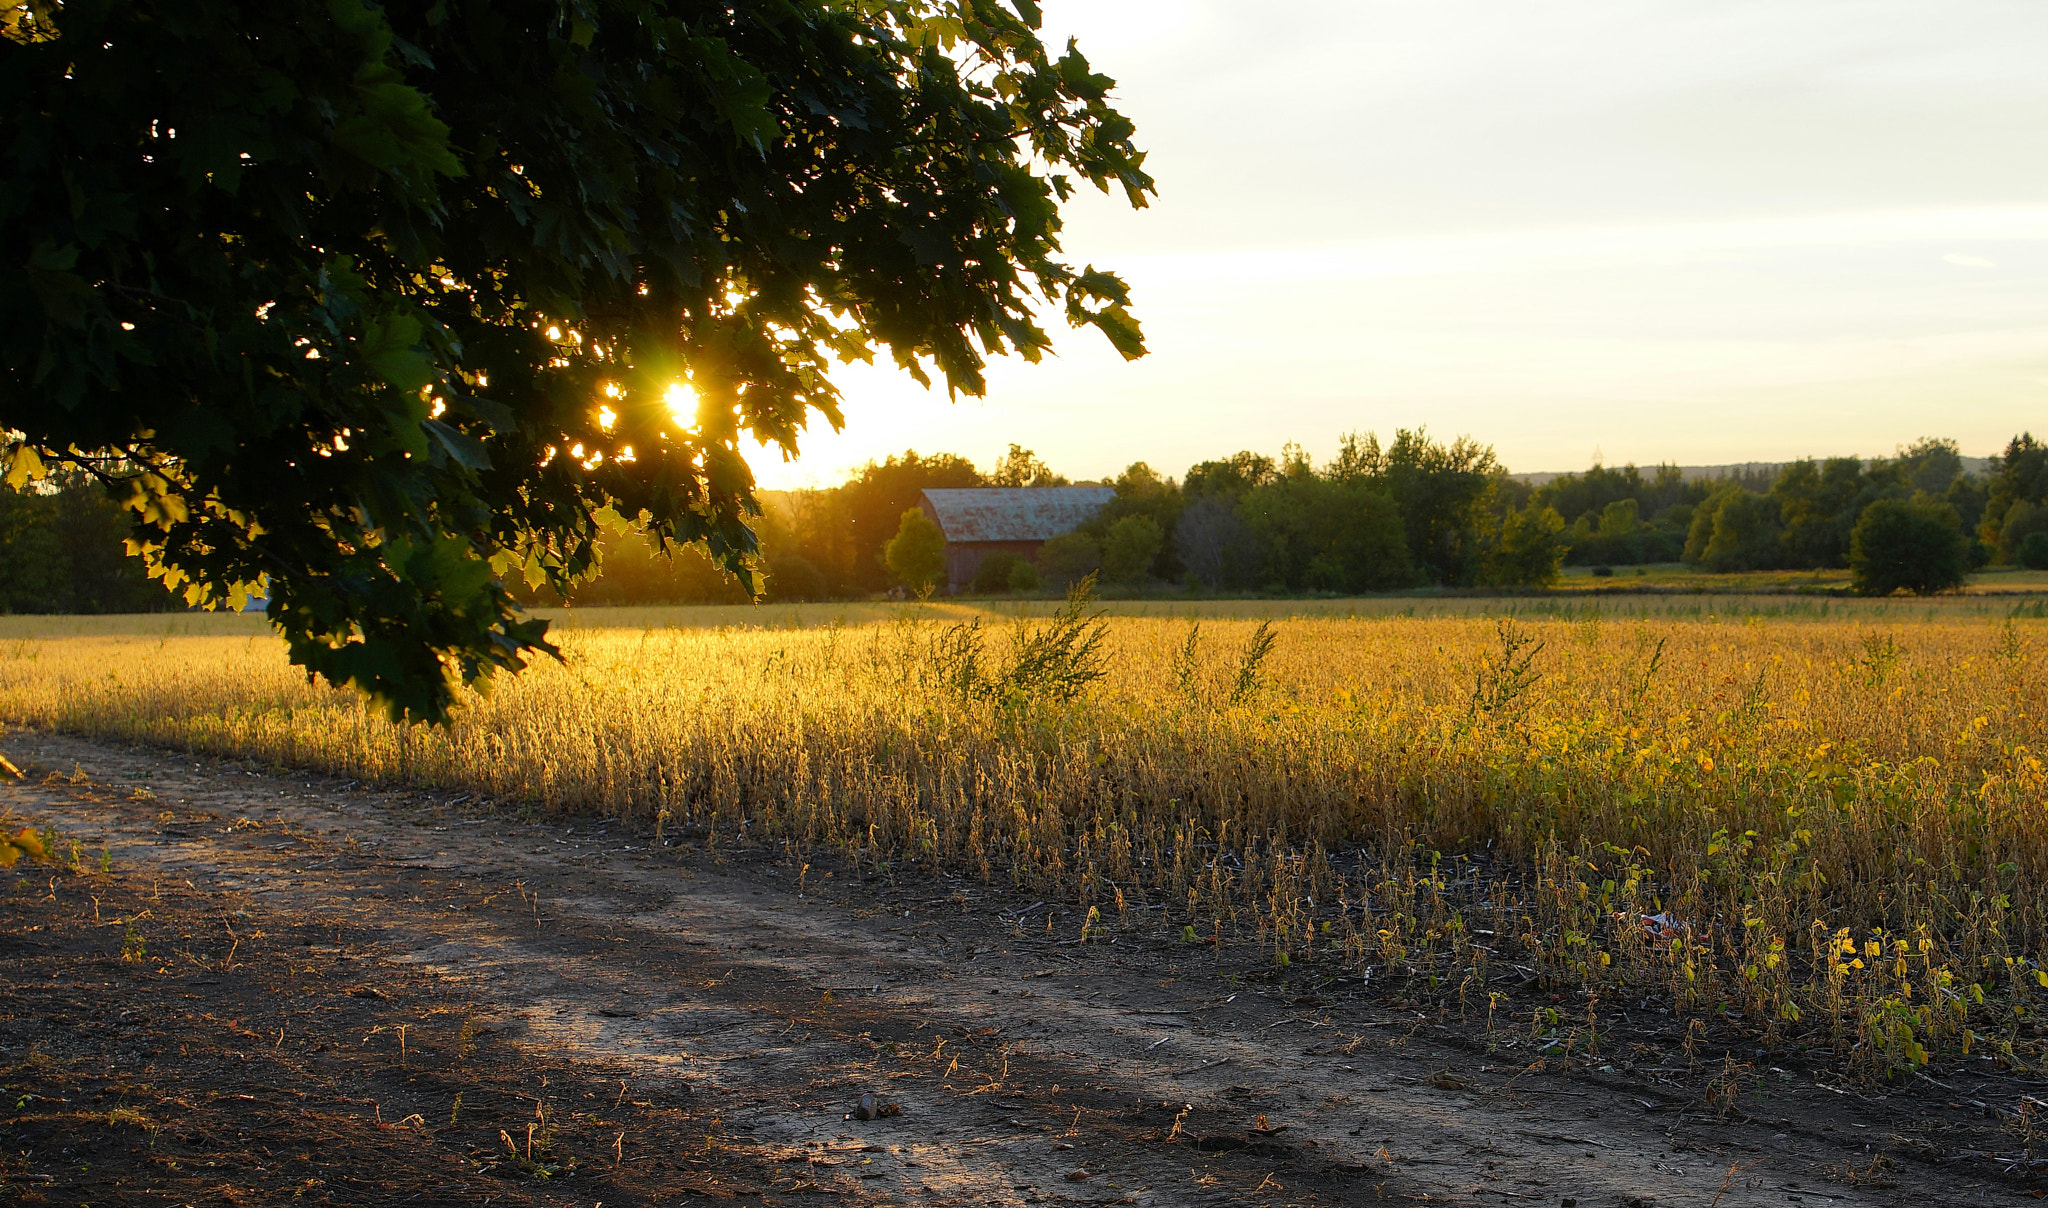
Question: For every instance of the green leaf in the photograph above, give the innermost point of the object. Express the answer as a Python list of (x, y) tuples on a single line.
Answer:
[(467, 450), (391, 348)]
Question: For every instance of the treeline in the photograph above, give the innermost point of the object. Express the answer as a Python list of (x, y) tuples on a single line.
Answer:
[(1413, 512), (63, 550), (1807, 516)]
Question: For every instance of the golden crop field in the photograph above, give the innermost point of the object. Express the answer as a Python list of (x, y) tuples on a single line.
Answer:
[(1818, 822)]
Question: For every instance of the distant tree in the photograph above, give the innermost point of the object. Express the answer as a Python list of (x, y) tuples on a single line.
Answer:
[(1968, 495), (1129, 549), (2022, 520), (917, 553), (1214, 544), (1530, 548), (1320, 533), (1620, 520), (1229, 478), (795, 577), (2019, 476), (1069, 558), (1914, 545), (1700, 529), (37, 574), (63, 550), (1140, 491), (2033, 552), (1931, 464), (1442, 492), (1024, 577), (370, 306), (1818, 503), (1020, 467), (635, 573), (1745, 534), (854, 521)]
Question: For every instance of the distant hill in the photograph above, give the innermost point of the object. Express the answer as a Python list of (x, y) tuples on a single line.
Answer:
[(1751, 470)]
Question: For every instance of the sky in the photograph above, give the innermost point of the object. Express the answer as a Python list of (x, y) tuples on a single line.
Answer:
[(1639, 230)]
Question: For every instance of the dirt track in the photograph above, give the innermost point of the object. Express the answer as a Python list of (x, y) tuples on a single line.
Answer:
[(1028, 1068)]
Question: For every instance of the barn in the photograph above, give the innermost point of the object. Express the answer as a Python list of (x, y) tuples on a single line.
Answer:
[(980, 521)]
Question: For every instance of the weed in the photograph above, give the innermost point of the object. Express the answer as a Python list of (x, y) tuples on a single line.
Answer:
[(1256, 650)]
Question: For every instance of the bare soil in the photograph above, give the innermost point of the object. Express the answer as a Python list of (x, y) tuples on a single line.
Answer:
[(279, 988)]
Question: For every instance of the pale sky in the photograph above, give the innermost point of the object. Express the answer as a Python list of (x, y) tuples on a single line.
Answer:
[(1703, 232)]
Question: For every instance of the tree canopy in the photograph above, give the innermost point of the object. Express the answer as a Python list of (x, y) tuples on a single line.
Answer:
[(366, 308)]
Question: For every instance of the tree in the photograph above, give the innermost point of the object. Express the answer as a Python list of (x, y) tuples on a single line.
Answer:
[(2033, 552), (1931, 464), (1069, 558), (2018, 477), (2022, 520), (37, 574), (1022, 468), (1321, 533), (855, 520), (795, 577), (1129, 548), (1915, 545), (1442, 492), (62, 550), (1744, 534), (366, 306), (1531, 547), (917, 553), (1214, 543)]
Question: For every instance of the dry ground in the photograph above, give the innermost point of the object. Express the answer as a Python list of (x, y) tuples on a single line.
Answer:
[(286, 989)]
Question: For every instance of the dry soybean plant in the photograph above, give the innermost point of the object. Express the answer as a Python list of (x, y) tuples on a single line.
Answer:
[(1819, 832)]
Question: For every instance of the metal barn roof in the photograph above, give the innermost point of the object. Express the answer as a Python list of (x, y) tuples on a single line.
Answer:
[(1015, 513)]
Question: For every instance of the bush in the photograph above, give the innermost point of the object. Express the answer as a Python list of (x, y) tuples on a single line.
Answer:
[(1603, 572), (1024, 577), (992, 577), (2033, 551), (1916, 545)]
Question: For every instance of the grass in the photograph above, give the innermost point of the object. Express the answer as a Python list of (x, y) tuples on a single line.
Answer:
[(1797, 823)]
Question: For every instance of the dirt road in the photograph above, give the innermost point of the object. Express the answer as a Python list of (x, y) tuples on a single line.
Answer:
[(679, 1025)]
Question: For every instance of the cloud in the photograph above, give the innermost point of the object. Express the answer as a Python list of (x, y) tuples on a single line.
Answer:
[(1967, 261)]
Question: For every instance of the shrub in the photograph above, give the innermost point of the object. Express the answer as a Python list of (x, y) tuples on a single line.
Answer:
[(1916, 545), (1603, 572), (992, 577), (1024, 577)]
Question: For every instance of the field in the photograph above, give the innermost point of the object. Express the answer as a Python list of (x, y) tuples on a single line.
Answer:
[(1801, 824)]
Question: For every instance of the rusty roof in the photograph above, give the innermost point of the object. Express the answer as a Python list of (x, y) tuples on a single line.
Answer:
[(1015, 513)]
